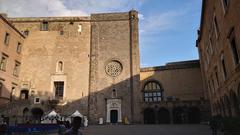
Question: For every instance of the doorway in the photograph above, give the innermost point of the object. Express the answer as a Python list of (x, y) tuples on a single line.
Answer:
[(163, 116), (149, 116), (37, 113), (24, 94), (194, 115), (113, 116)]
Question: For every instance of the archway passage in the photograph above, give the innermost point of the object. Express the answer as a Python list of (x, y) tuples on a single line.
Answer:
[(194, 115), (163, 116), (37, 114), (149, 116), (179, 116), (113, 116), (25, 114)]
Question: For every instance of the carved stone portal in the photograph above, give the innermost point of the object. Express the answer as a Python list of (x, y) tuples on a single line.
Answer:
[(114, 112)]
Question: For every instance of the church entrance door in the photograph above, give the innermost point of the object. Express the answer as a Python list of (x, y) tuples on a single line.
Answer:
[(114, 116), (113, 111)]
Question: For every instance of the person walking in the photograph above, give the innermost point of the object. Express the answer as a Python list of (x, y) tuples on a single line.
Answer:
[(75, 129), (214, 125)]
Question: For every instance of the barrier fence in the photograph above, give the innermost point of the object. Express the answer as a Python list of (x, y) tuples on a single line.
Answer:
[(30, 129)]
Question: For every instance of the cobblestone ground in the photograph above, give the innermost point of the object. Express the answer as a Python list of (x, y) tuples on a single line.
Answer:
[(148, 130)]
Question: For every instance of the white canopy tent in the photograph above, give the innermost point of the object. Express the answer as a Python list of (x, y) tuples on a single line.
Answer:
[(76, 113), (51, 117)]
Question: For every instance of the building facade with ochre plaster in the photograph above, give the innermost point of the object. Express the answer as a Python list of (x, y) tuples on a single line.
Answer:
[(92, 64)]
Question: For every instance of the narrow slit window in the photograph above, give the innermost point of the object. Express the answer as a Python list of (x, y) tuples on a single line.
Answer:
[(7, 38)]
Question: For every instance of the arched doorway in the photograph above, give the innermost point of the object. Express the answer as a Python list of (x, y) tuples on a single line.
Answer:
[(194, 115), (179, 115), (149, 116), (163, 116), (37, 114), (113, 116), (25, 114), (24, 94)]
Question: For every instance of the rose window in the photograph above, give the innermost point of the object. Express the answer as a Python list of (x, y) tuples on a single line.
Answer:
[(113, 68)]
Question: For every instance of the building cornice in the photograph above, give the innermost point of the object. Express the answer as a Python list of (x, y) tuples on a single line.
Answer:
[(8, 23), (174, 66)]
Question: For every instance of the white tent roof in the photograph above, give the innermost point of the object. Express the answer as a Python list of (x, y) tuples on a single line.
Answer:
[(76, 113), (52, 114)]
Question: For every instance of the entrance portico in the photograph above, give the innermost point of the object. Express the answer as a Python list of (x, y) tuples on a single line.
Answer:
[(114, 112)]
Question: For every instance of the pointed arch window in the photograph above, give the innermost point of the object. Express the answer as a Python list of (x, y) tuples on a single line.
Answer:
[(152, 92)]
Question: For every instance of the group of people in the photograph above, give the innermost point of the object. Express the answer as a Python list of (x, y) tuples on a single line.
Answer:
[(74, 129), (216, 125)]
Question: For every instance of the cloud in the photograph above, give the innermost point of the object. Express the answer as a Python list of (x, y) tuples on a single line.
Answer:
[(144, 64), (103, 5), (155, 23), (34, 8), (17, 8), (140, 16)]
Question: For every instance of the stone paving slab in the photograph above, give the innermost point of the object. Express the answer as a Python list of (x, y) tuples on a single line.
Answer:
[(147, 130)]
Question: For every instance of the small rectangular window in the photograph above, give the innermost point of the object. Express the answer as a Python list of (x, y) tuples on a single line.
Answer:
[(16, 69), (19, 47), (7, 38), (37, 100), (44, 26), (3, 63), (59, 89)]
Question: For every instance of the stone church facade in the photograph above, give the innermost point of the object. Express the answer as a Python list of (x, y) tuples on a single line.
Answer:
[(91, 64)]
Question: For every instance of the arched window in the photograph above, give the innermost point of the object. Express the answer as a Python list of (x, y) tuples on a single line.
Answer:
[(152, 92)]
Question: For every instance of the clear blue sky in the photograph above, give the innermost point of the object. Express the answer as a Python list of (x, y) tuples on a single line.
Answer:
[(168, 28)]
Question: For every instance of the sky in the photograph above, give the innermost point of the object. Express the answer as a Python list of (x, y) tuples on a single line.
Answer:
[(167, 28)]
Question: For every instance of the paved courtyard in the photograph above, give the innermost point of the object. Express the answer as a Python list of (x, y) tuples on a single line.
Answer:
[(148, 130)]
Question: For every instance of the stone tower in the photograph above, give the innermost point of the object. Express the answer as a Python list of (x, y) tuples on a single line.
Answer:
[(114, 67)]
